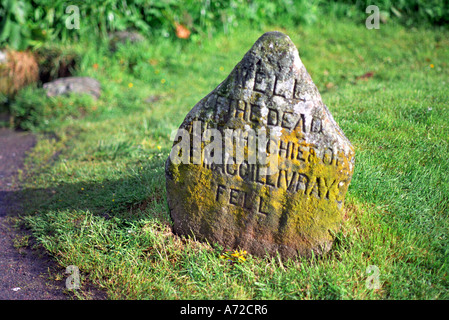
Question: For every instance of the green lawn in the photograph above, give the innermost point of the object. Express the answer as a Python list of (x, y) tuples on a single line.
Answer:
[(95, 193)]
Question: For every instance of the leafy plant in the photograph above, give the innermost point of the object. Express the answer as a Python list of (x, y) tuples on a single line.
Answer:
[(32, 109), (27, 23), (32, 22), (13, 26), (236, 256), (56, 61)]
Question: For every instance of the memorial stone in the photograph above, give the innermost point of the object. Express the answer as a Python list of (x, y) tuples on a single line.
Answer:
[(259, 163)]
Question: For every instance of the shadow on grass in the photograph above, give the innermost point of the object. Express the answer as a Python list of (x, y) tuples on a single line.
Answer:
[(127, 198)]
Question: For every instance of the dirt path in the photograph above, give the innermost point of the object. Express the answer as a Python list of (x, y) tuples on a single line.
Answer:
[(24, 273)]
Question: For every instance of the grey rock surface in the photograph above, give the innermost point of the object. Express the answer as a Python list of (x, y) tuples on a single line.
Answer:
[(64, 86), (291, 206)]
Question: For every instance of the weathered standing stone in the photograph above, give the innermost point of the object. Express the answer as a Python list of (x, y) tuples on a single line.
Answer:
[(292, 210)]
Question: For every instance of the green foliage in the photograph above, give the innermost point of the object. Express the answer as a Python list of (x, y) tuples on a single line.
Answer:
[(56, 61), (408, 12), (32, 22), (14, 28), (27, 23), (100, 204), (32, 109)]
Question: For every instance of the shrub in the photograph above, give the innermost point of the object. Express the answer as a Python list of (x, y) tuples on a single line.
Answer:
[(32, 109), (27, 23), (408, 12), (56, 62), (32, 22)]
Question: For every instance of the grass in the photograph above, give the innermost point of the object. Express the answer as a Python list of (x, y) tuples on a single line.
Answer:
[(96, 191)]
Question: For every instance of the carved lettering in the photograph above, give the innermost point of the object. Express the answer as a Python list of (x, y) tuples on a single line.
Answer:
[(316, 126), (296, 92), (288, 120), (328, 156), (240, 109), (273, 117), (220, 191), (233, 198), (303, 183), (256, 114), (261, 81), (283, 88), (325, 187), (262, 206)]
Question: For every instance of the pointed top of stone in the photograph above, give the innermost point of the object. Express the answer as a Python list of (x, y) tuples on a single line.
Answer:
[(276, 41), (276, 51)]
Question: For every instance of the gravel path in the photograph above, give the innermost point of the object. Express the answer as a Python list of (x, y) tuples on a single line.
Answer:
[(25, 272)]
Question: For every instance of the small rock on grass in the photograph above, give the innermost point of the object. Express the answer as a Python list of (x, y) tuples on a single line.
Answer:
[(63, 86)]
